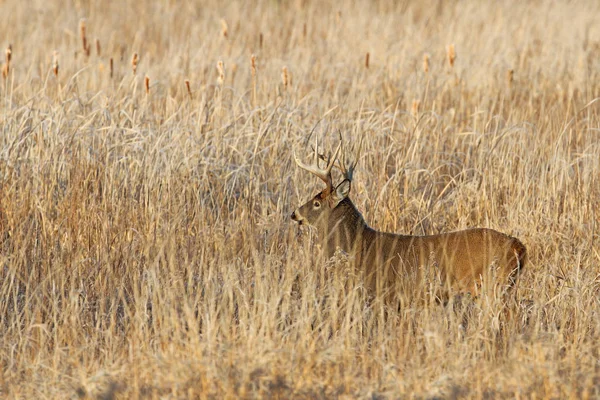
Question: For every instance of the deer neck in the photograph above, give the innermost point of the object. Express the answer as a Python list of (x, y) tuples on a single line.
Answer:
[(344, 229)]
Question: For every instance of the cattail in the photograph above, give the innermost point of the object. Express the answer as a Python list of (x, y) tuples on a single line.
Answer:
[(509, 77), (253, 65), (98, 49), (84, 43), (221, 70), (304, 30), (233, 69), (415, 108), (367, 56), (451, 55), (111, 63), (426, 62), (6, 66), (260, 40), (253, 73), (189, 90), (134, 62), (147, 84), (224, 29), (55, 63), (82, 32), (285, 78)]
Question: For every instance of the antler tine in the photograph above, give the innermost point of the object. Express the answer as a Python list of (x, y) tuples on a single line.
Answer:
[(348, 168), (323, 174)]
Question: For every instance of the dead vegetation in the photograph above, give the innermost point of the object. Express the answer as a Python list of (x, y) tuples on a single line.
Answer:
[(147, 178)]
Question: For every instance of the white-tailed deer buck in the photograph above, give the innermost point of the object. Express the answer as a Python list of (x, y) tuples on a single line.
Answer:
[(462, 261)]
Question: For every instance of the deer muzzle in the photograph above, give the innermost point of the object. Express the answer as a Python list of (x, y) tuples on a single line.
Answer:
[(297, 218)]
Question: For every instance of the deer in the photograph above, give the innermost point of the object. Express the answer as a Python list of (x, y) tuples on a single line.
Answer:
[(463, 262)]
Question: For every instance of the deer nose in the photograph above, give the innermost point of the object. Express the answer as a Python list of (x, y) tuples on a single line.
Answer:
[(294, 215)]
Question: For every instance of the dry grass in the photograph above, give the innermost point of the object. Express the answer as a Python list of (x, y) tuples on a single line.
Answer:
[(146, 248)]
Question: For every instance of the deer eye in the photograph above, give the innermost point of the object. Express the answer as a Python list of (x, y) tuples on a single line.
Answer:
[(317, 204)]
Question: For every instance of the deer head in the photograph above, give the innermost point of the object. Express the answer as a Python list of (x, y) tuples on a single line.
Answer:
[(319, 211)]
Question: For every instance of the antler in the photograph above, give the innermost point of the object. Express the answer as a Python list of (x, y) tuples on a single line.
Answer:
[(323, 174), (348, 168)]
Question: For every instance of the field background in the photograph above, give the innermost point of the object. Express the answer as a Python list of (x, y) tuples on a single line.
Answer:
[(146, 249)]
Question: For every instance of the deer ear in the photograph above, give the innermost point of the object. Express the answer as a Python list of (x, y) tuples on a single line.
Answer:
[(341, 192)]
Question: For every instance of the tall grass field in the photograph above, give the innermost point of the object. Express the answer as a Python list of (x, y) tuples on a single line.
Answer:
[(147, 180)]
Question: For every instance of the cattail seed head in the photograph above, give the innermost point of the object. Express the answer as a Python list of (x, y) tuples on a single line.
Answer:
[(221, 71), (253, 65), (98, 49), (224, 28), (55, 63), (82, 30), (147, 84), (367, 56), (6, 66), (451, 55), (189, 90), (285, 78), (84, 43), (510, 77), (233, 70), (111, 68), (134, 62), (253, 72), (260, 40), (426, 63), (415, 108)]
